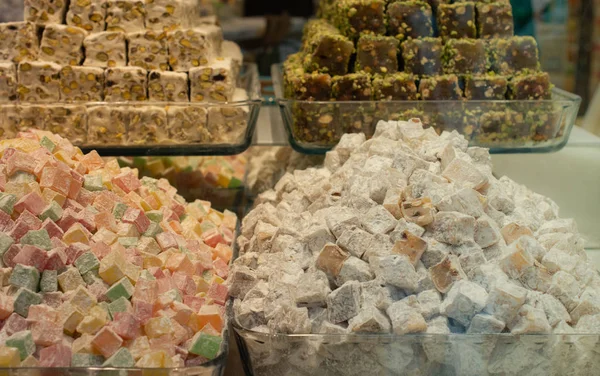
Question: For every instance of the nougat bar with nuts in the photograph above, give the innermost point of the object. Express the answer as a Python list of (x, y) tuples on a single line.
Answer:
[(214, 82), (45, 12), (62, 44), (81, 84), (126, 16), (105, 50), (148, 50), (39, 81), (107, 125), (187, 123), (165, 15), (68, 121), (87, 14), (8, 82), (18, 41), (124, 84), (228, 123), (190, 48), (147, 125), (168, 86)]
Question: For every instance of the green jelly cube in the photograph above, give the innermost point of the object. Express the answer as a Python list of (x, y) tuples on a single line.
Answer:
[(235, 183), (119, 305), (7, 202), (91, 277), (123, 288), (86, 360), (5, 243), (52, 211), (155, 215), (206, 345), (128, 242), (22, 341), (48, 144), (105, 306), (39, 238), (153, 230), (119, 210), (93, 183), (122, 358), (149, 182), (145, 274), (24, 299), (49, 281), (25, 276), (86, 263)]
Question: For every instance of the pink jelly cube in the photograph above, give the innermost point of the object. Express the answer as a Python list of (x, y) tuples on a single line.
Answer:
[(30, 220), (142, 310), (32, 202), (221, 268), (218, 293), (104, 202), (194, 302), (20, 161), (52, 299), (75, 250), (56, 179), (106, 220), (126, 325), (98, 290), (212, 238), (86, 198), (87, 220), (9, 255), (7, 154), (77, 177), (146, 290), (57, 355), (14, 323), (72, 204), (178, 208), (68, 219), (57, 259), (107, 342), (156, 272), (6, 306), (42, 312), (46, 333), (6, 222), (74, 188), (182, 313), (166, 240), (127, 181), (164, 285), (100, 249), (92, 161), (32, 256), (138, 218), (184, 283), (53, 230)]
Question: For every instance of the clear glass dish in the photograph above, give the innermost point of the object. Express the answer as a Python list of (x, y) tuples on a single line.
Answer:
[(222, 129), (418, 354), (503, 126)]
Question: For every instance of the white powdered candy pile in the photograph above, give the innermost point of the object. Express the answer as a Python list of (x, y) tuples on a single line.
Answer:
[(410, 232)]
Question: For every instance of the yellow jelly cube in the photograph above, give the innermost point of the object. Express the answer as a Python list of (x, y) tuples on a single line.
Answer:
[(105, 235), (83, 344), (201, 284), (112, 166), (90, 325), (139, 347), (215, 218), (50, 195), (9, 357), (149, 260), (30, 361), (132, 272), (158, 326), (71, 316), (83, 299), (76, 234), (156, 359), (63, 156), (191, 227), (216, 279), (112, 267)]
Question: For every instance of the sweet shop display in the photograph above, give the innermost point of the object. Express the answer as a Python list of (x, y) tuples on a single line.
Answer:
[(102, 268), (410, 238), (122, 51), (440, 48)]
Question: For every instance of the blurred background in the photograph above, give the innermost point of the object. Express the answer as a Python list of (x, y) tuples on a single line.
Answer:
[(568, 34)]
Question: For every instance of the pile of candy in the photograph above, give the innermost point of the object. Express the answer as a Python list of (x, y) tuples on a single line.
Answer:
[(101, 268)]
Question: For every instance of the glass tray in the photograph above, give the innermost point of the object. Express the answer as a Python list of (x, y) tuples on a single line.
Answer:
[(418, 354), (503, 126), (227, 127)]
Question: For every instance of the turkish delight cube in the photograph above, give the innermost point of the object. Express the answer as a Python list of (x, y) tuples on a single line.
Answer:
[(9, 121), (168, 86), (81, 84), (397, 86), (68, 121), (164, 15), (190, 48), (126, 16), (354, 17), (377, 54), (125, 84), (327, 50), (45, 12), (39, 82), (409, 19), (513, 55), (422, 56), (464, 56), (107, 125), (187, 124), (457, 20), (18, 41), (105, 50), (87, 14), (444, 87), (304, 86), (485, 87), (8, 82), (148, 50), (495, 20), (352, 87), (228, 123), (147, 126), (62, 44), (214, 82), (530, 86)]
